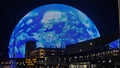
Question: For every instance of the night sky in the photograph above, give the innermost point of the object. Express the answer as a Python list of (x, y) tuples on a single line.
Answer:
[(103, 13)]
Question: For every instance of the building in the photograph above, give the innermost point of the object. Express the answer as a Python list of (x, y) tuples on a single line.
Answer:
[(85, 58)]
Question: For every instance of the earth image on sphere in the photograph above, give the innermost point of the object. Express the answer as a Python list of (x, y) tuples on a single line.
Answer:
[(51, 26)]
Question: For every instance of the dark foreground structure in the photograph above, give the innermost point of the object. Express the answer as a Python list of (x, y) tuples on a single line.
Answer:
[(91, 57)]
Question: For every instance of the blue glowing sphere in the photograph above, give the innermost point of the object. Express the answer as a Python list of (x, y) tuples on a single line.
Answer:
[(51, 26)]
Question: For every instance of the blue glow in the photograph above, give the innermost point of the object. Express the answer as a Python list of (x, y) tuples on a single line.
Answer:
[(51, 26), (115, 44)]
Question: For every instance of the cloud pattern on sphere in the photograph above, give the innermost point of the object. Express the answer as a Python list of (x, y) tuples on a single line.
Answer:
[(51, 26)]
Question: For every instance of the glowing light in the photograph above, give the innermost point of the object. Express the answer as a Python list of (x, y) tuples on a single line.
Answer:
[(53, 25), (115, 44)]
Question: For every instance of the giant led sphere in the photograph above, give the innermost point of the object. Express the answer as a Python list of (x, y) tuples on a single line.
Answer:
[(51, 26)]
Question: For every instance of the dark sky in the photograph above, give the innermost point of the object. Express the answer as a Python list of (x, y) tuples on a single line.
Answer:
[(103, 13)]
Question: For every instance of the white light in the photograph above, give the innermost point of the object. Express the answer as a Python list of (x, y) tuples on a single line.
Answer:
[(91, 43), (103, 61), (75, 57), (109, 61), (80, 50)]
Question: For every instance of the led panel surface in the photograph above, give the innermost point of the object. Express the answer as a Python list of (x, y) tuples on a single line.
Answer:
[(115, 44), (51, 26)]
